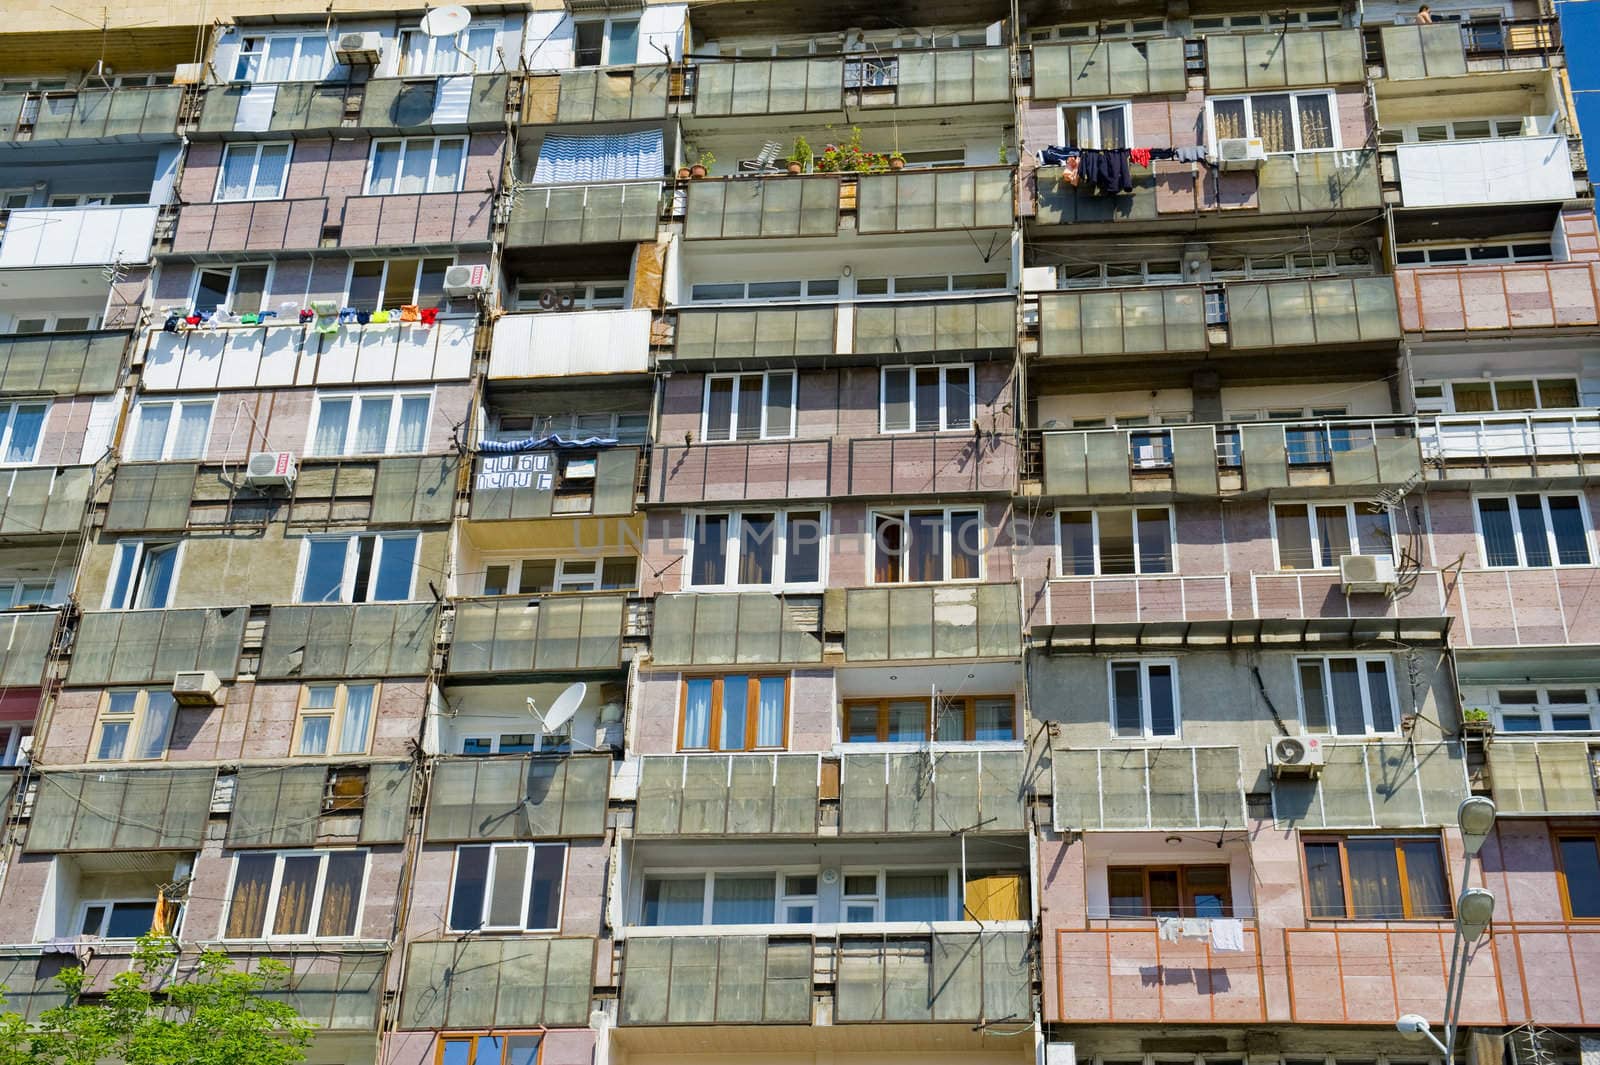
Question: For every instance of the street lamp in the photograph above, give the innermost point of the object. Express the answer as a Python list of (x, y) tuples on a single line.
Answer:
[(1474, 911)]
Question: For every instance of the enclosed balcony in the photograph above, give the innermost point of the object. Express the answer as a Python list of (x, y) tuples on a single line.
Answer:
[(584, 96), (422, 220), (550, 215), (44, 501), (1236, 62), (62, 364), (26, 639), (1095, 69), (1553, 776), (412, 105), (1475, 45), (551, 633), (1508, 298), (557, 482), (1500, 170), (548, 344), (77, 236), (728, 795), (96, 116)]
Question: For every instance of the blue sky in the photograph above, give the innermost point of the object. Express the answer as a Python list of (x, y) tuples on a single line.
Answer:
[(1580, 24)]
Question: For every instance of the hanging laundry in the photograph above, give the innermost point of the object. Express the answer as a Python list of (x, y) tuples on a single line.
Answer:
[(1106, 170), (1227, 934), (249, 319), (306, 315), (1055, 155), (1191, 153), (347, 316), (380, 317), (430, 315), (193, 320), (363, 317), (1069, 172), (1163, 153), (1139, 157), (1169, 928), (411, 313), (1196, 928), (171, 324)]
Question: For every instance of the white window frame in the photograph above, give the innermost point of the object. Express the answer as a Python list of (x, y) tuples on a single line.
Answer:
[(584, 295), (708, 880), (433, 158), (270, 912), (892, 292), (780, 545), (110, 904), (233, 283), (1099, 564), (300, 37), (462, 60), (336, 718), (8, 422), (1362, 664), (741, 381), (1511, 246), (605, 40), (253, 194), (351, 562), (135, 720), (14, 735), (531, 849), (1549, 530), (806, 293), (955, 901), (565, 581), (169, 437), (497, 742), (1541, 709), (904, 515), (141, 549), (1294, 115), (359, 399), (1094, 107), (1409, 134), (1311, 506), (945, 370), (567, 425), (1445, 403), (13, 591), (1146, 729)]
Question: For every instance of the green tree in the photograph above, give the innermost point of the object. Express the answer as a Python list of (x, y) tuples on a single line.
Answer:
[(215, 1014)]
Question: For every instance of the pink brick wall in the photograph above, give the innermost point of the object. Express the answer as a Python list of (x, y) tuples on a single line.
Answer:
[(561, 1046), (655, 711), (65, 428), (245, 422), (582, 898)]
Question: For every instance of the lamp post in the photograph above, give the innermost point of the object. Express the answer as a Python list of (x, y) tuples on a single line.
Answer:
[(1474, 911)]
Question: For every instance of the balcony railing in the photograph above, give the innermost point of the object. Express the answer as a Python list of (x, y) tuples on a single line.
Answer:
[(1540, 776), (44, 501), (736, 628), (946, 77), (520, 634), (435, 218), (571, 344), (784, 206), (866, 328), (380, 105), (547, 215), (728, 795), (1451, 49), (1343, 975), (519, 485), (917, 200), (1121, 970), (889, 623), (77, 236), (622, 94), (1097, 69), (485, 983), (1148, 788), (1511, 297), (26, 638), (132, 113), (923, 791), (1540, 607), (1501, 170), (1237, 62), (62, 364)]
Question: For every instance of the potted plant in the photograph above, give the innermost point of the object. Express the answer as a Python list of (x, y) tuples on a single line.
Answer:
[(702, 165), (1475, 722), (800, 157), (683, 173), (897, 161)]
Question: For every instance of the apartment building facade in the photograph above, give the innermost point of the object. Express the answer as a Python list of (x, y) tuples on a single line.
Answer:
[(1020, 559)]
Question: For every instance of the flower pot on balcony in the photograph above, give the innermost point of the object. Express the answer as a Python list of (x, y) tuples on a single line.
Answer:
[(697, 171), (896, 164), (683, 173), (794, 168)]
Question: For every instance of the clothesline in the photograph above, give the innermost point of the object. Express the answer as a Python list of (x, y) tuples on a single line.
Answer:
[(324, 316)]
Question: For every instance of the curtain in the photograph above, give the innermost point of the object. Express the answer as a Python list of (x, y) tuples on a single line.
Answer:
[(157, 724), (1515, 395), (297, 889), (803, 547), (916, 897), (748, 419), (341, 893), (1316, 123), (1425, 879), (677, 901), (1228, 117), (237, 164), (1535, 542), (697, 713), (1274, 122), (966, 544), (1125, 892), (1499, 536), (780, 404), (247, 906), (950, 721), (385, 168), (719, 409), (1294, 537), (150, 433), (418, 55), (357, 719), (1558, 394), (1116, 541), (1113, 127), (1374, 879), (1333, 534), (278, 64), (925, 559), (743, 899), (1325, 879), (333, 419), (416, 160), (313, 60), (270, 172), (735, 712), (194, 419), (908, 721), (994, 720), (896, 400), (889, 532), (411, 436), (372, 426), (758, 534), (710, 549), (447, 165), (314, 733), (769, 722)]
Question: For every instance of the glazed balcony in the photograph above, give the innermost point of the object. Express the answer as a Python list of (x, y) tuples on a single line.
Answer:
[(1474, 46), (129, 114), (1543, 776), (381, 106), (77, 236), (62, 364), (1509, 298), (550, 633), (545, 344), (1500, 170), (44, 501), (689, 795), (585, 96), (598, 213), (441, 219), (1147, 788), (26, 639), (1120, 971)]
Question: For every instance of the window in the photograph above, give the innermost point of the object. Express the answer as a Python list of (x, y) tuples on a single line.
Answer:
[(1378, 878), (1533, 249), (1533, 530), (1105, 542), (143, 576), (22, 592), (926, 399), (900, 895), (15, 742), (611, 42), (470, 52), (49, 323), (170, 429), (728, 291), (927, 545), (518, 742), (535, 576), (1460, 129), (134, 723), (97, 199), (1277, 19), (1317, 535), (928, 284), (584, 295), (253, 171), (1099, 125), (756, 548), (1580, 874), (284, 57), (749, 406), (508, 887), (296, 894), (389, 284), (1483, 396), (958, 719), (498, 1048), (1555, 709), (370, 423), (1108, 30), (241, 289), (119, 918), (1347, 695), (1285, 122), (736, 712), (417, 164), (366, 568), (1144, 698), (19, 434), (624, 428), (335, 710), (1169, 891)]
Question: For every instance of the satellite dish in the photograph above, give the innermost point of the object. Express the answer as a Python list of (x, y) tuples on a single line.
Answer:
[(564, 707), (446, 21)]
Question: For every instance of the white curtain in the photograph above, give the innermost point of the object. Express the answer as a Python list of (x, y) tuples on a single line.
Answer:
[(237, 165), (313, 62), (372, 428), (743, 899), (157, 725), (271, 171), (916, 897), (385, 168), (332, 421), (414, 164), (279, 62), (769, 726), (357, 719), (447, 165), (193, 422), (413, 429), (735, 712), (697, 713)]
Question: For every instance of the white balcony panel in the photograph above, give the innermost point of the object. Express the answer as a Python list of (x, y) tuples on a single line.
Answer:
[(280, 356), (1503, 170), (557, 344), (1512, 436), (77, 236)]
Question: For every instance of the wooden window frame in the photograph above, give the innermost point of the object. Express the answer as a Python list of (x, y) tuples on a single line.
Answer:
[(135, 723), (969, 703), (1398, 840), (1589, 833), (471, 1038), (752, 711), (1186, 902), (335, 715)]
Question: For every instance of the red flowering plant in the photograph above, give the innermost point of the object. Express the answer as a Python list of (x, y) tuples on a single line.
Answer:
[(849, 157)]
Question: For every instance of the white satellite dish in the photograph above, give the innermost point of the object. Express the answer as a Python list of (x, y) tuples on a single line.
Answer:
[(446, 21), (562, 709)]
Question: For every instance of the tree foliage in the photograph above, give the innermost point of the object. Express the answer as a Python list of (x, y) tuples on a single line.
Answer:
[(152, 1014)]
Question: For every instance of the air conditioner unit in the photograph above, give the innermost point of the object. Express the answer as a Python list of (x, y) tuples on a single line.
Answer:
[(1241, 153), (359, 49), (189, 74), (269, 469), (196, 687), (1292, 756), (466, 280), (1366, 573)]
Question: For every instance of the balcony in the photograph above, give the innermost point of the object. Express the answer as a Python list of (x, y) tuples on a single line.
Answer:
[(1239, 62), (290, 355), (1545, 985), (1286, 184), (932, 622), (1147, 788), (933, 200), (438, 218), (1476, 45), (44, 501), (100, 116), (1120, 971), (1097, 69), (918, 464), (497, 983), (62, 364), (26, 639), (349, 640), (77, 236), (1381, 783), (1543, 776), (481, 798), (548, 633), (1501, 170), (620, 94), (550, 215), (121, 809), (1530, 607), (521, 485), (1345, 975), (811, 205), (727, 795), (379, 106), (548, 344), (1520, 296), (1513, 445), (149, 646), (736, 628), (803, 206), (940, 790)]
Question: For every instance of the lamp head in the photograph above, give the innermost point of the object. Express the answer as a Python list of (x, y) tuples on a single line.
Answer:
[(1414, 1026), (1474, 911), (1475, 816)]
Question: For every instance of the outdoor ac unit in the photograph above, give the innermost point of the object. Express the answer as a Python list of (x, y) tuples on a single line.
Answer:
[(189, 74), (1295, 756), (466, 280), (196, 687), (1366, 573), (360, 49), (267, 469), (1241, 153)]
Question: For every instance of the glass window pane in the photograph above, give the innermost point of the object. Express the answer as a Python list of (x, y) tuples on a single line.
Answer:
[(297, 888), (1380, 695), (908, 721), (770, 711), (927, 399), (411, 434), (719, 409), (194, 422), (1125, 892), (544, 893), (1155, 541), (333, 420), (1325, 879), (1294, 537), (994, 720), (916, 897), (157, 725), (1566, 523), (271, 171), (1333, 534), (247, 903), (735, 700), (1116, 541), (1558, 394), (1077, 543), (447, 167), (780, 404), (709, 552), (1499, 535), (416, 164), (1535, 540), (925, 554), (1425, 884), (957, 398), (1125, 699), (673, 902), (508, 875), (520, 1050), (802, 562), (471, 882), (159, 564), (697, 713), (1374, 879), (1166, 900), (341, 893), (1344, 681), (861, 723), (372, 426), (1274, 123), (394, 569), (314, 732), (1580, 868), (1372, 530), (896, 400), (1163, 703), (324, 579), (743, 899), (23, 440), (357, 719), (1316, 123), (624, 42), (966, 545), (113, 740), (758, 534), (130, 920)]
